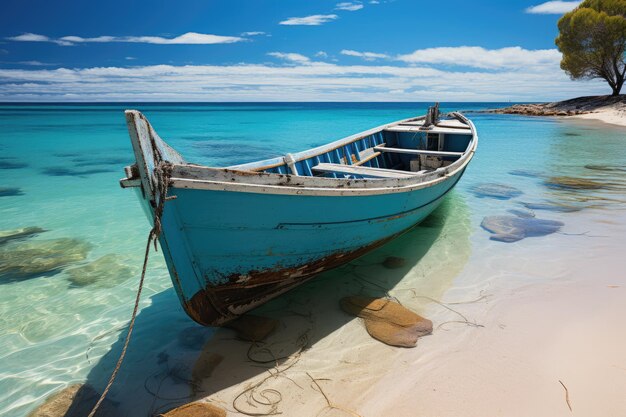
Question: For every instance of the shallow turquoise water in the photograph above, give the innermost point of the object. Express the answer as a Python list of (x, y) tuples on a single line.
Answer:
[(67, 160)]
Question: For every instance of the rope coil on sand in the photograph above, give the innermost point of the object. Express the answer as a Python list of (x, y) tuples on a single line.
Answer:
[(163, 173)]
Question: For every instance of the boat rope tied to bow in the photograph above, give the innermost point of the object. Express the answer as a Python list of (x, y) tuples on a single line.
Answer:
[(163, 173)]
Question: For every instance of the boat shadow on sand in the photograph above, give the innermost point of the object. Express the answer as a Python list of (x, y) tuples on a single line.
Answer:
[(171, 361)]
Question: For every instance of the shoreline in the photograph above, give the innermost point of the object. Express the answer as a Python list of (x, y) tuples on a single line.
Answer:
[(607, 109), (613, 117)]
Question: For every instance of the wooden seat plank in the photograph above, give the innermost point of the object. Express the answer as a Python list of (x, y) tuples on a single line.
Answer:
[(416, 151), (360, 170)]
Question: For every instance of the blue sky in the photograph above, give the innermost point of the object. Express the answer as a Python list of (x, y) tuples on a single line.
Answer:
[(283, 50)]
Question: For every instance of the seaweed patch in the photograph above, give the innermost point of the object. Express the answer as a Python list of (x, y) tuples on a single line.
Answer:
[(106, 271), (24, 232), (40, 257)]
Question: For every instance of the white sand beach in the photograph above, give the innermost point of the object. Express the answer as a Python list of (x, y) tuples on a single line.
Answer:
[(614, 114)]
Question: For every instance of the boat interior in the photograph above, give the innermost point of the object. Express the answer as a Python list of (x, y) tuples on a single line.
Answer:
[(399, 150)]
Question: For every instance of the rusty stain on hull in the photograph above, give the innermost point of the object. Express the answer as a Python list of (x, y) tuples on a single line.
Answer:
[(216, 305)]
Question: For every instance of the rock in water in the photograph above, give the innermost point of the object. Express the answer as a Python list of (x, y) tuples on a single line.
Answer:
[(9, 163), (74, 401), (552, 206), (394, 262), (10, 191), (494, 190), (525, 173), (608, 168), (388, 321), (39, 257), (573, 183), (252, 328), (7, 235), (105, 272), (204, 367), (521, 213), (512, 228), (196, 410)]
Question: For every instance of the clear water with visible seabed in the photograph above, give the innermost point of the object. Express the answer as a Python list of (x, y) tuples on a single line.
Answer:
[(66, 293)]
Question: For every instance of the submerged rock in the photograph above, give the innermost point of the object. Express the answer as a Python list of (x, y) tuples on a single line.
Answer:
[(394, 262), (494, 190), (106, 271), (40, 257), (69, 172), (252, 328), (513, 228), (10, 191), (74, 401), (573, 183), (522, 213), (203, 368), (9, 164), (8, 235), (525, 173), (608, 168), (198, 409), (552, 206), (67, 154), (388, 321)]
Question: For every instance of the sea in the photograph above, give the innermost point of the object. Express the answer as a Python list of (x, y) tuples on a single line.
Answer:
[(68, 284)]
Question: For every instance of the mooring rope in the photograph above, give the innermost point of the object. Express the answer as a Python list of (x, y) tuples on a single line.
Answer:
[(163, 173)]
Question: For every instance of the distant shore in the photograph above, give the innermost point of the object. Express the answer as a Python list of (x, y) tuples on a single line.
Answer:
[(607, 109)]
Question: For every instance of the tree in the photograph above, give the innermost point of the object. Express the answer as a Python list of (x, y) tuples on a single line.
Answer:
[(592, 39)]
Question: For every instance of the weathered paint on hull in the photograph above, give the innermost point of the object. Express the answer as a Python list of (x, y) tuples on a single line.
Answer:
[(228, 252)]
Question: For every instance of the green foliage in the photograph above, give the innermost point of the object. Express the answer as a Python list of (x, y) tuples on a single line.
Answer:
[(592, 39)]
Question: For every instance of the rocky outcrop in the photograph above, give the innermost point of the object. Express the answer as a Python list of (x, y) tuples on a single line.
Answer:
[(580, 105)]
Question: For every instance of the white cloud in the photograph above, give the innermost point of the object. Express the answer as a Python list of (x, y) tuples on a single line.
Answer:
[(33, 37), (374, 2), (290, 56), (321, 54), (253, 33), (313, 20), (478, 57), (30, 37), (349, 6), (130, 58), (189, 38), (295, 81), (553, 7), (368, 56), (36, 63)]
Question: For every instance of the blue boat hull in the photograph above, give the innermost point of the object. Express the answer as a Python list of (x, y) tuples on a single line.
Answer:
[(229, 252)]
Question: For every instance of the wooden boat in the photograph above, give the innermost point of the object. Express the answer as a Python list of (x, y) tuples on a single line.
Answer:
[(235, 237)]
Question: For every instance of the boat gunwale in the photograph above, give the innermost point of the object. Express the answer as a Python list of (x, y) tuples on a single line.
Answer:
[(208, 178), (234, 179)]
